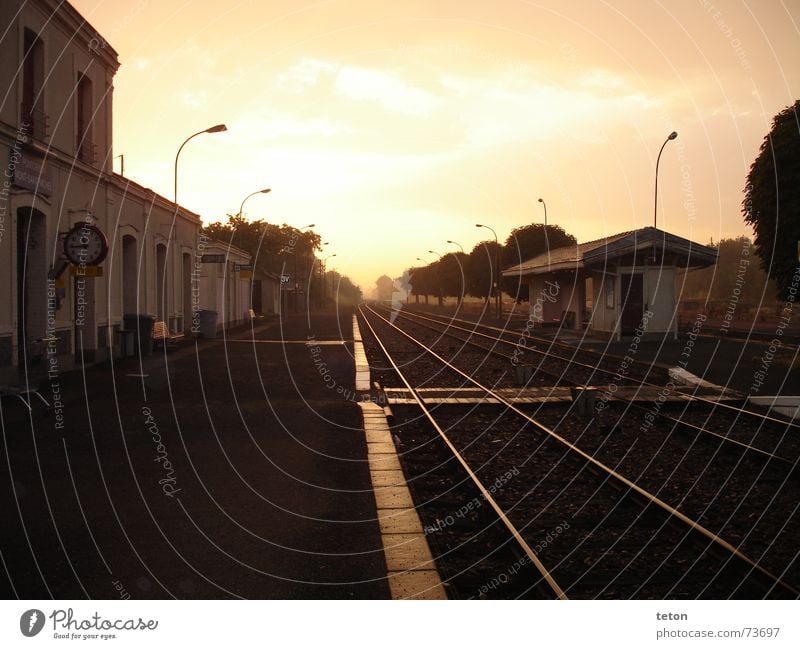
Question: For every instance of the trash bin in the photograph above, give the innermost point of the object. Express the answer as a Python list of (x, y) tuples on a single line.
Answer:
[(141, 325), (126, 346), (208, 323)]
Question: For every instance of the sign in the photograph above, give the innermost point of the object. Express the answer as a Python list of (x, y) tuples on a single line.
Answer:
[(238, 267), (86, 271), (245, 274), (212, 259), (30, 172)]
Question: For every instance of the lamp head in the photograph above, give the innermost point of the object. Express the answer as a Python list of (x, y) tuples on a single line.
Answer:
[(673, 135), (217, 128), (541, 200), (266, 191), (479, 225)]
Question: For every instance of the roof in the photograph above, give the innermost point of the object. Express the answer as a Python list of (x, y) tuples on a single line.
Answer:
[(228, 248), (600, 251)]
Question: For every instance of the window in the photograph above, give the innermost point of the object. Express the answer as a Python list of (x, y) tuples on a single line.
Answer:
[(31, 112), (610, 301), (84, 145)]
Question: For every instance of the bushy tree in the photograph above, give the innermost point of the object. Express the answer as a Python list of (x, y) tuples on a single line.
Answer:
[(480, 265), (772, 198), (385, 286), (525, 243)]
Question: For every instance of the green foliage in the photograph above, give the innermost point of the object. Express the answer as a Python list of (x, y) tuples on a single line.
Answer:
[(737, 275), (282, 249), (480, 264), (342, 290), (772, 198), (525, 243), (275, 248)]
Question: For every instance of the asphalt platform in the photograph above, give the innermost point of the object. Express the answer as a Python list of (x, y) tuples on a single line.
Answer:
[(233, 468)]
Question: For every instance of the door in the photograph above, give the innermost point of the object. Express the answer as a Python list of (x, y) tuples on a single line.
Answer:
[(632, 293)]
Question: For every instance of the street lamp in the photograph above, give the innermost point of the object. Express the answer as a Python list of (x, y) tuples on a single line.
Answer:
[(325, 278), (495, 271), (671, 136), (438, 277), (546, 238), (214, 129), (260, 191), (461, 270), (456, 243)]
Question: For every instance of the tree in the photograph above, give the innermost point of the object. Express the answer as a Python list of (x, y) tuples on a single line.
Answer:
[(479, 266), (736, 279), (772, 198), (275, 248), (525, 243), (385, 286)]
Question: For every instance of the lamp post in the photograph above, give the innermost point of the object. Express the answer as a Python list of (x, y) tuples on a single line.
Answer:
[(671, 136), (495, 271), (456, 243), (296, 283), (546, 238), (214, 129), (438, 277), (260, 191), (461, 269), (427, 263), (325, 278)]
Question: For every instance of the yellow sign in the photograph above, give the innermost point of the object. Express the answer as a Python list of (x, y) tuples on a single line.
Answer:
[(245, 274), (86, 271)]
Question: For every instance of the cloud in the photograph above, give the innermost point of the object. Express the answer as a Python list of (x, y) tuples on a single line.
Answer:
[(514, 108), (392, 92), (304, 75)]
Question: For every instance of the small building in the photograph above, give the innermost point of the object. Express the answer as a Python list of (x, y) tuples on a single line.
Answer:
[(224, 285), (266, 293), (612, 287)]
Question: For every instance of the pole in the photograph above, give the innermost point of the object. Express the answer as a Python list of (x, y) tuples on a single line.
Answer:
[(671, 136)]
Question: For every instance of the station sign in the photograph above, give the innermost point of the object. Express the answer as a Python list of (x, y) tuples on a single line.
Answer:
[(212, 259), (240, 267), (86, 271), (30, 172)]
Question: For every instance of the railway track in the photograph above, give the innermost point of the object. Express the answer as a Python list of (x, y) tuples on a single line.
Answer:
[(621, 540), (762, 435)]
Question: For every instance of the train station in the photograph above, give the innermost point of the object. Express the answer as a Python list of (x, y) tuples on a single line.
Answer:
[(191, 413)]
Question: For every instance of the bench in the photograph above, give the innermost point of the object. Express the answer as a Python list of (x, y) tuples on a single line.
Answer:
[(566, 321), (161, 334)]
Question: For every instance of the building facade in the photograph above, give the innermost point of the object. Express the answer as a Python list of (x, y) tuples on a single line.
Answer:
[(56, 145), (225, 281)]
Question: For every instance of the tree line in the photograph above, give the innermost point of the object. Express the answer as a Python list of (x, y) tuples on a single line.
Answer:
[(459, 274), (285, 250)]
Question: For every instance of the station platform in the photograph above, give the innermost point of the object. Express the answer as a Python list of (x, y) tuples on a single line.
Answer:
[(231, 468)]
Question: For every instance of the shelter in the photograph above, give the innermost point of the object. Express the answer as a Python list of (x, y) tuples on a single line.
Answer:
[(612, 287)]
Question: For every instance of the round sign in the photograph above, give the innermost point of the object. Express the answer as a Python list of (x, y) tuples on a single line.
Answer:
[(85, 244)]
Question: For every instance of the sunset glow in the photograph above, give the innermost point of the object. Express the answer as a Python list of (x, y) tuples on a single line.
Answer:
[(396, 126)]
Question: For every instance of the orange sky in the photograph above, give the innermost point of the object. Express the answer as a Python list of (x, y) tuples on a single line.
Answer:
[(395, 126)]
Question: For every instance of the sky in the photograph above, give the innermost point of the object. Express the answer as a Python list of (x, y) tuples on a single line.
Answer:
[(395, 126)]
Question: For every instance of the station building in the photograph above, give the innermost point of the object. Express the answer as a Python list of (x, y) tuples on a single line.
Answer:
[(612, 287), (56, 150), (225, 281)]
